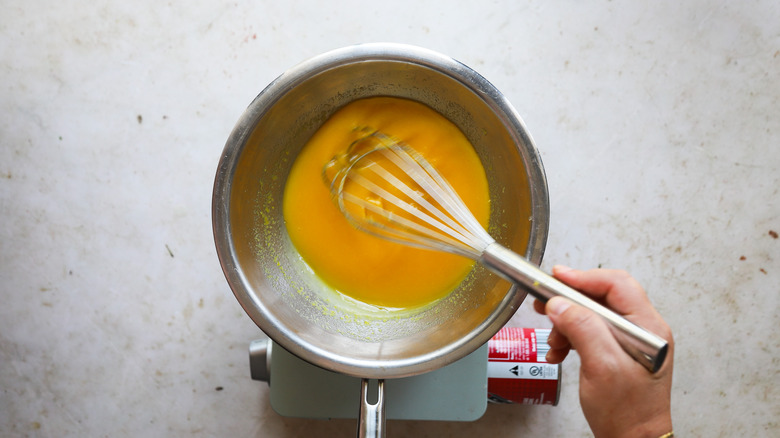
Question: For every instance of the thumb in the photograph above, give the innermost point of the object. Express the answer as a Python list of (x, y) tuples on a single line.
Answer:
[(587, 332)]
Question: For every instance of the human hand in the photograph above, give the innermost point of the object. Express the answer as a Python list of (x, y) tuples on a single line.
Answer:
[(619, 397)]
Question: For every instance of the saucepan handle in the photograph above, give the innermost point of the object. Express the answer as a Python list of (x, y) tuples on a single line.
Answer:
[(371, 419)]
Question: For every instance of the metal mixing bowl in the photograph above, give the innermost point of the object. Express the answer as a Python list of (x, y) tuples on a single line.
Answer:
[(285, 298)]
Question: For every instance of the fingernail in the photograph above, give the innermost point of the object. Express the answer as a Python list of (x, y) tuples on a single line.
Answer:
[(561, 269), (557, 305)]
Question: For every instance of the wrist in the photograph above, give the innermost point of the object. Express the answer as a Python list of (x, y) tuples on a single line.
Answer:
[(658, 428)]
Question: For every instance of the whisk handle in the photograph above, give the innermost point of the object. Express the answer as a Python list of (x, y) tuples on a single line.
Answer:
[(645, 347)]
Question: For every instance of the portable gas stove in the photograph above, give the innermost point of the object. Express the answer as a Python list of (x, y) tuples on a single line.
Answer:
[(508, 369)]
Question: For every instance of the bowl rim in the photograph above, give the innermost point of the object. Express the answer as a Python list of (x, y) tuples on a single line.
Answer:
[(278, 88)]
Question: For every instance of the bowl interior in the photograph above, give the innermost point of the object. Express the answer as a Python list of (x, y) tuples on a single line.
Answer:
[(283, 296)]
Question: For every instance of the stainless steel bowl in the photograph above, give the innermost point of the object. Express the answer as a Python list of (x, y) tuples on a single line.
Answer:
[(283, 296)]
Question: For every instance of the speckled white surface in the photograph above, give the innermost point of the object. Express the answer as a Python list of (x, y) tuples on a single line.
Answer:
[(658, 123)]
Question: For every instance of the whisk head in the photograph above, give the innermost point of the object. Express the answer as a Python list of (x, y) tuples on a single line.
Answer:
[(386, 188)]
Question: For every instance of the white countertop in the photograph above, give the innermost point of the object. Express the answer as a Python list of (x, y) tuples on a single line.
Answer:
[(658, 124)]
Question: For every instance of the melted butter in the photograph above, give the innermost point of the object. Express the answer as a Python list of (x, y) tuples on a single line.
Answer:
[(361, 266)]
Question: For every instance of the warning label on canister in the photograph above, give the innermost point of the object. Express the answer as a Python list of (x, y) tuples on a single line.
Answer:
[(517, 369)]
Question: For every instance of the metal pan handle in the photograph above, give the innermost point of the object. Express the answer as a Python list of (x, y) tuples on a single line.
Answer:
[(371, 419)]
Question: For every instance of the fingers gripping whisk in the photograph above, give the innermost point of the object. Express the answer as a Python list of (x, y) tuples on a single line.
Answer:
[(388, 189)]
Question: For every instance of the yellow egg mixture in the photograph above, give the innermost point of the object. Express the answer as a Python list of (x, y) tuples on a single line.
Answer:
[(362, 266)]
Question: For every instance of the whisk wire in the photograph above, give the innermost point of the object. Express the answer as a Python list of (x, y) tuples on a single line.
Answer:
[(435, 234), (403, 232), (437, 187), (449, 226), (408, 200)]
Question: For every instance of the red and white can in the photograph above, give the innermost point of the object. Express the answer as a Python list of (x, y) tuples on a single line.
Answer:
[(517, 369)]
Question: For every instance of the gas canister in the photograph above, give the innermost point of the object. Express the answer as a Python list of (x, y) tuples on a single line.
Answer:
[(517, 369)]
